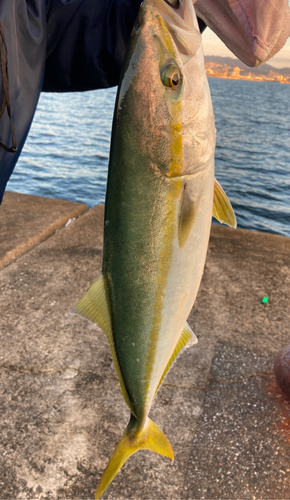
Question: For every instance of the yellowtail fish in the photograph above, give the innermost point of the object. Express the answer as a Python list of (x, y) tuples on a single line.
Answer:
[(158, 212)]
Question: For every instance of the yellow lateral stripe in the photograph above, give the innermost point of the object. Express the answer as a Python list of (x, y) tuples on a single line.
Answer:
[(94, 306), (170, 222), (169, 232), (176, 143)]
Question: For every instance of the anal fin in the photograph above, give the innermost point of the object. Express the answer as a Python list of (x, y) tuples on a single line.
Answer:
[(95, 306), (186, 339)]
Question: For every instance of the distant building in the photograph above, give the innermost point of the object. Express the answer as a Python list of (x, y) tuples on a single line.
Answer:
[(236, 73)]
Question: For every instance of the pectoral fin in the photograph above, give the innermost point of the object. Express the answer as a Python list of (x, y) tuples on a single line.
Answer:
[(186, 339), (222, 208), (95, 306), (187, 216)]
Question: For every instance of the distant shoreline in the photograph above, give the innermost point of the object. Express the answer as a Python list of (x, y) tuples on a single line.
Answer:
[(246, 79), (233, 69)]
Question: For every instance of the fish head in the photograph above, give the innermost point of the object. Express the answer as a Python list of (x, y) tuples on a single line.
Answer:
[(164, 89)]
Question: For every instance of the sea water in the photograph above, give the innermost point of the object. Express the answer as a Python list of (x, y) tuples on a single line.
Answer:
[(253, 151), (67, 151)]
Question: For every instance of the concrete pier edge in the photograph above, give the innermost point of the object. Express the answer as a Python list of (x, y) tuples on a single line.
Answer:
[(41, 236)]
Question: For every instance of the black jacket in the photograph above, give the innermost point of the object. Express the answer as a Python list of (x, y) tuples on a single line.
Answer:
[(56, 46)]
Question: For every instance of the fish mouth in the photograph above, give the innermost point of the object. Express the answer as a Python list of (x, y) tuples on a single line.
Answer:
[(173, 3), (177, 12), (180, 18)]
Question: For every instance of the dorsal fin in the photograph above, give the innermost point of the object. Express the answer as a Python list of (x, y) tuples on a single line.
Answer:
[(95, 306), (222, 208), (186, 339)]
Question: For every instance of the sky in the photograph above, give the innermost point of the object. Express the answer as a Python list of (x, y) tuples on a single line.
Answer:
[(213, 46)]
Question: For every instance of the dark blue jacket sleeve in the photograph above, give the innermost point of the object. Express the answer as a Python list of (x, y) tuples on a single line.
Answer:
[(24, 28), (86, 43), (58, 46)]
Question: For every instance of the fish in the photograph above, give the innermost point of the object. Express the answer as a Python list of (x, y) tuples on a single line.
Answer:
[(161, 194)]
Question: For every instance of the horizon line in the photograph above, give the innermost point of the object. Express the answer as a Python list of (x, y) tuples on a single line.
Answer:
[(250, 67)]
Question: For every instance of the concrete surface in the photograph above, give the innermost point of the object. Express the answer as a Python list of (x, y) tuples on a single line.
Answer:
[(26, 221), (61, 408)]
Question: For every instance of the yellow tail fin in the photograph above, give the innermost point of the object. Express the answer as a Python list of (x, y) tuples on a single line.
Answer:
[(136, 437)]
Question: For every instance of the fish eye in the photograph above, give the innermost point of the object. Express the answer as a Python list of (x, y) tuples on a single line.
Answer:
[(171, 76)]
